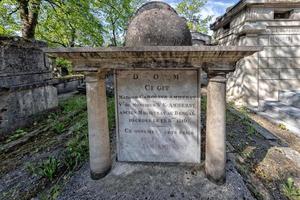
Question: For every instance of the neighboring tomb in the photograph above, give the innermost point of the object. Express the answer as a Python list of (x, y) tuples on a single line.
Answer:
[(264, 76), (25, 83), (199, 39)]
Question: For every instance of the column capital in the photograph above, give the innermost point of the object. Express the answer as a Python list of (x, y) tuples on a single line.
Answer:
[(217, 77), (96, 76), (218, 68)]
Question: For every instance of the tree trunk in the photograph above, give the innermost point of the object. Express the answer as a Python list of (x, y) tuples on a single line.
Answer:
[(114, 38), (29, 12)]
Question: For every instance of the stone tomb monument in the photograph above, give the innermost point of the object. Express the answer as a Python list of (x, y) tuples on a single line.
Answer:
[(157, 87)]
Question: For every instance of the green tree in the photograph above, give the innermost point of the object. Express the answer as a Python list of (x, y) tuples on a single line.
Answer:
[(70, 24), (116, 14), (8, 12), (191, 10), (20, 14)]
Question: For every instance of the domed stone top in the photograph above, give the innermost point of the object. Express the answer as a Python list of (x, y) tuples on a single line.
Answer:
[(155, 5), (157, 24)]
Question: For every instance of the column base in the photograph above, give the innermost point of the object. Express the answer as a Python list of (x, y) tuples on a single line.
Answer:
[(97, 176), (218, 181)]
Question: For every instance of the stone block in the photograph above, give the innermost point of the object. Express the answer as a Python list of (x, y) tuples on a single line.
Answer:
[(290, 84), (291, 73), (248, 41), (19, 107), (263, 40), (21, 56), (284, 40), (269, 73), (269, 90), (261, 13), (283, 63), (280, 52)]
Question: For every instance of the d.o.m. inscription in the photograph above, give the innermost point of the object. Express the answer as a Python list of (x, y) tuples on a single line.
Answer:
[(158, 115)]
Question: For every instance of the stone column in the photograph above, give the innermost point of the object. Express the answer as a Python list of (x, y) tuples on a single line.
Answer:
[(215, 157), (99, 146)]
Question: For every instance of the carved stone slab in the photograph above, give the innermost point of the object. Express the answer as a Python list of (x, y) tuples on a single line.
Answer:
[(158, 115)]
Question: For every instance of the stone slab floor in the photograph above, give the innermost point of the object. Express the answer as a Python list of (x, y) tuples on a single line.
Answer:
[(154, 181)]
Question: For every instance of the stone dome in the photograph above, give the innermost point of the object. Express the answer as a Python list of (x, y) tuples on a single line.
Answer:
[(157, 24)]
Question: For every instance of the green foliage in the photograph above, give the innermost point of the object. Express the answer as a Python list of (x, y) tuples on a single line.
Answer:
[(70, 23), (73, 104), (8, 15), (47, 168), (77, 151), (290, 190), (191, 10), (203, 103), (73, 22), (58, 127), (249, 127), (77, 147), (282, 127), (53, 193), (60, 62), (17, 134), (111, 112)]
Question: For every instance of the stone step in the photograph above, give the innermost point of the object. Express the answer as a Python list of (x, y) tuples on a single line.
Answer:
[(281, 113), (291, 98)]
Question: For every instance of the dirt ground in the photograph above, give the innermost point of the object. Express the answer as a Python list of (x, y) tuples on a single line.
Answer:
[(38, 162), (270, 167)]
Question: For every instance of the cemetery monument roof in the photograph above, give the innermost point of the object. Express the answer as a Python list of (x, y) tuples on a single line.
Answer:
[(92, 59), (240, 5)]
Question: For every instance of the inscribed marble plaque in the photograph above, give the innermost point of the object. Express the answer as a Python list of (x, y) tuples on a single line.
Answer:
[(158, 115)]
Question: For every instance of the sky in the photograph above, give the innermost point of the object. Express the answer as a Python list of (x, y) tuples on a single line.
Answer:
[(213, 8)]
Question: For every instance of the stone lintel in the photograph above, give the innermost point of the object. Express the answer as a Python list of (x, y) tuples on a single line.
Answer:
[(92, 59)]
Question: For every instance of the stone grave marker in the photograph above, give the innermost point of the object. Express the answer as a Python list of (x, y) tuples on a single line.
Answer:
[(158, 115)]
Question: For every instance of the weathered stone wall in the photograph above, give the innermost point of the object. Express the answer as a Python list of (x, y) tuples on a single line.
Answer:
[(25, 83), (263, 76), (68, 84)]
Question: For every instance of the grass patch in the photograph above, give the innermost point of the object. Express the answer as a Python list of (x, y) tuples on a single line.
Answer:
[(290, 190), (48, 168), (282, 127), (53, 193), (73, 104), (71, 119), (16, 135), (76, 153)]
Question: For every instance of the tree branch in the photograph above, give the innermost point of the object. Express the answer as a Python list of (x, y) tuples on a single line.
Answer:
[(14, 11), (53, 4)]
